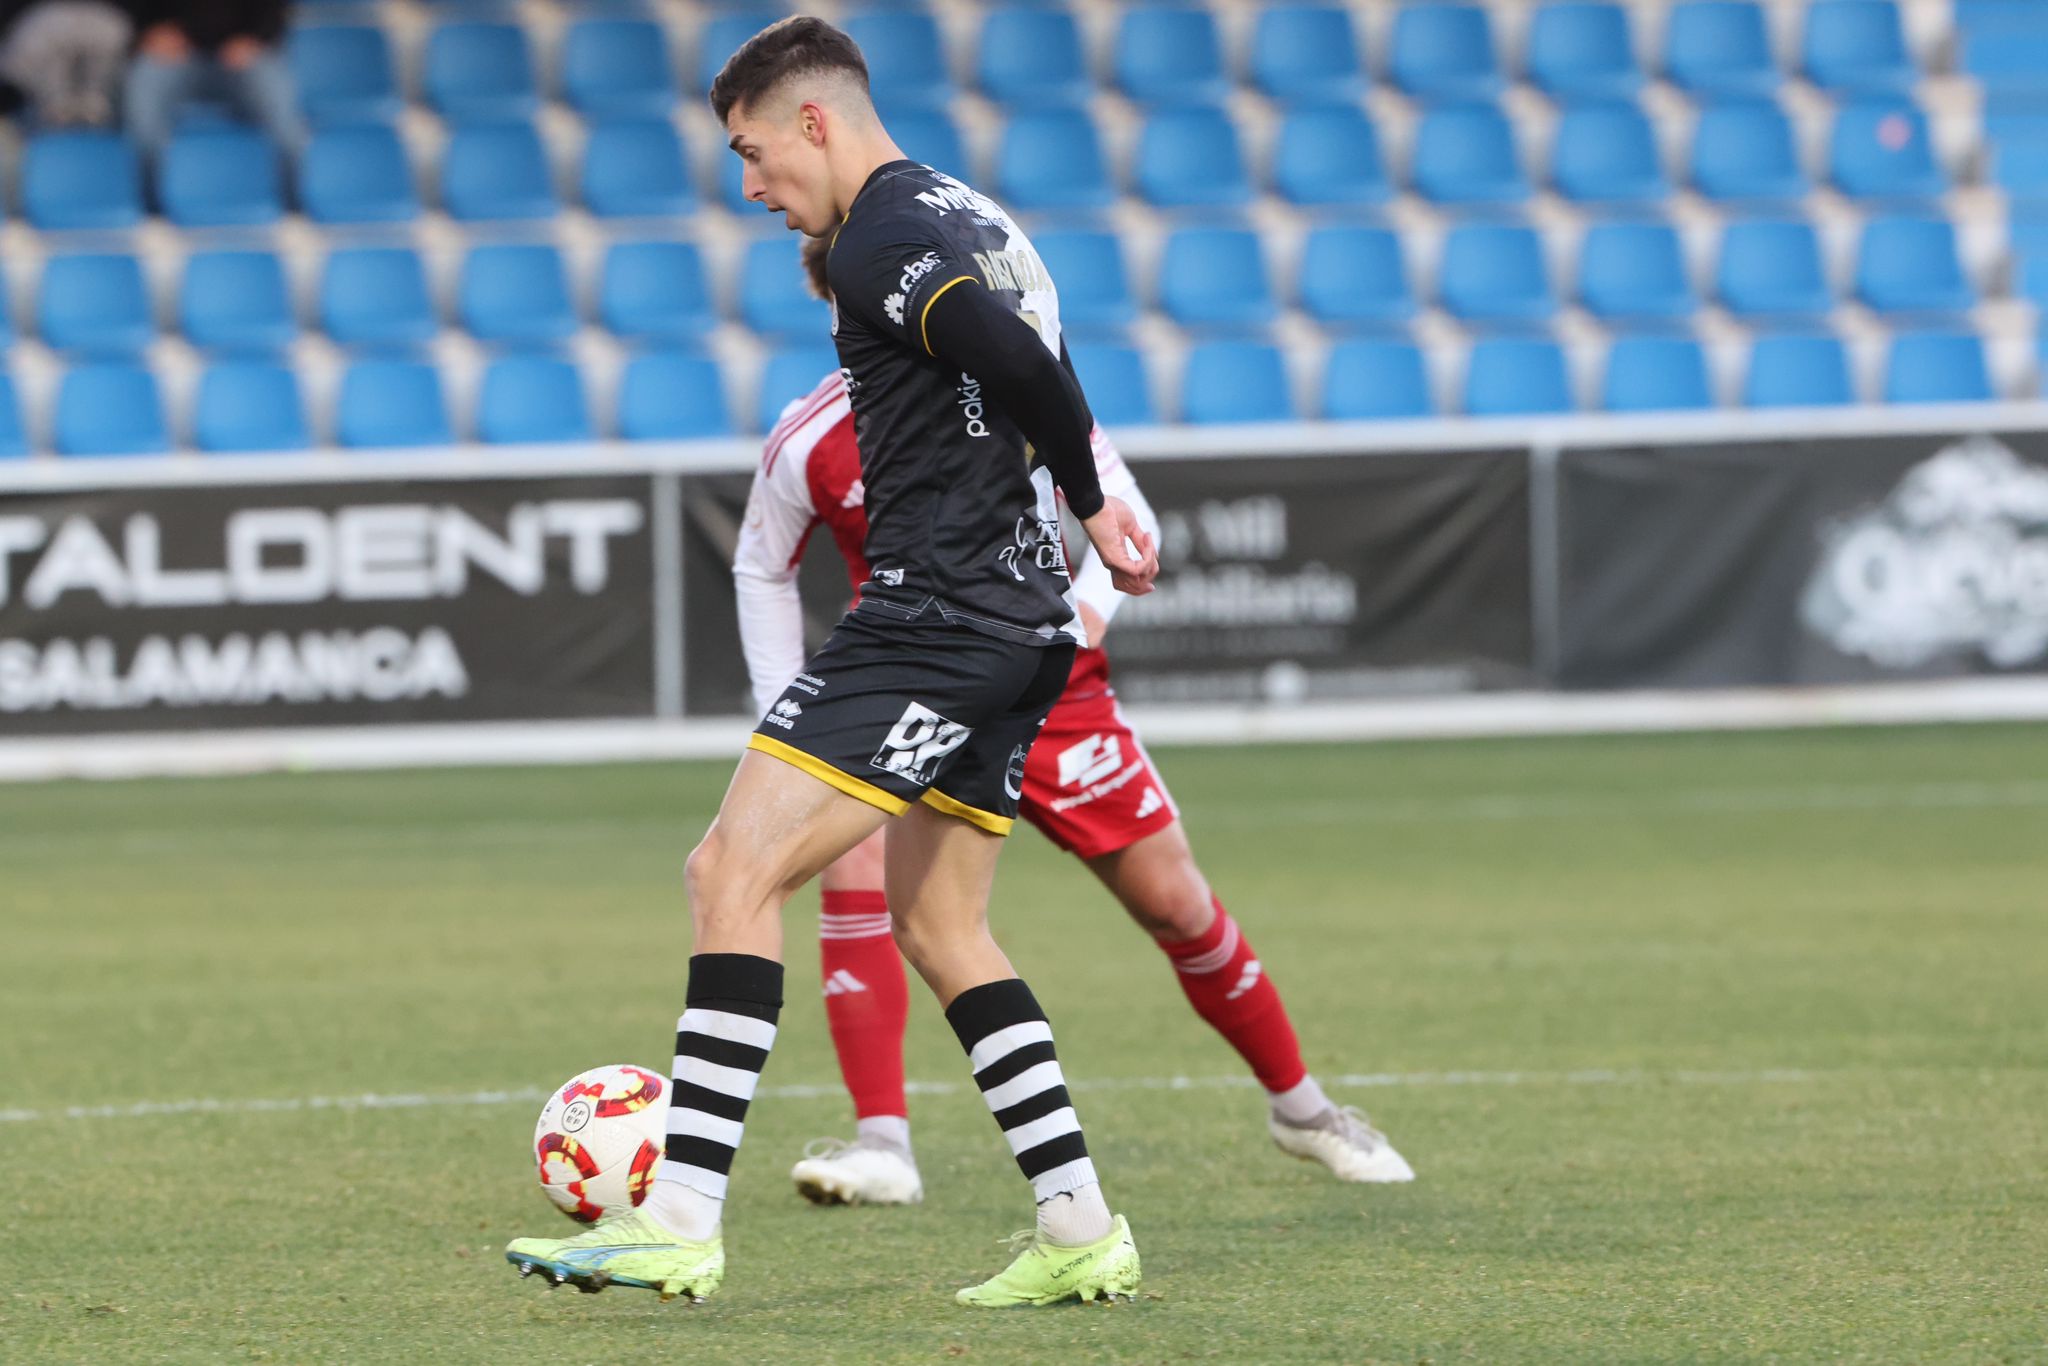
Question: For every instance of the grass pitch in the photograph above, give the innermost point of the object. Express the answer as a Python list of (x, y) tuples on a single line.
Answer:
[(1713, 1048)]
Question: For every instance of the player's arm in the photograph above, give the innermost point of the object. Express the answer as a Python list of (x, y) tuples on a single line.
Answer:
[(778, 521), (1094, 593)]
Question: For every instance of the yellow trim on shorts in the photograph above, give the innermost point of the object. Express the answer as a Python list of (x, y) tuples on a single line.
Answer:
[(924, 322), (973, 815), (824, 772)]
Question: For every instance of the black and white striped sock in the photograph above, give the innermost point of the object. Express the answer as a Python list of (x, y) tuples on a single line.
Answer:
[(1009, 1045)]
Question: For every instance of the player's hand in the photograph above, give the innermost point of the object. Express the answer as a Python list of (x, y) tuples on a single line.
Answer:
[(1123, 545)]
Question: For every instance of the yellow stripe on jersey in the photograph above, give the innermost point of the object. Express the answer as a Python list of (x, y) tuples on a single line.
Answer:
[(924, 318)]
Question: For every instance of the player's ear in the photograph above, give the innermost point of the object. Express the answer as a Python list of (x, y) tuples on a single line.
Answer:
[(810, 119)]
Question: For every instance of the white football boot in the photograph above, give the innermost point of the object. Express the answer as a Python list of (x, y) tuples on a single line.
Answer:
[(863, 1172), (1342, 1139)]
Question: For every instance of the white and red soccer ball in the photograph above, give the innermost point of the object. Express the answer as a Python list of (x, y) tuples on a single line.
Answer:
[(600, 1138)]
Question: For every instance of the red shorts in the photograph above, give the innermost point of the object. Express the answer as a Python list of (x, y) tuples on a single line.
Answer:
[(1089, 785)]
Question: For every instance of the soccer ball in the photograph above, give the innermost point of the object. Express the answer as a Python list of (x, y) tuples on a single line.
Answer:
[(600, 1138)]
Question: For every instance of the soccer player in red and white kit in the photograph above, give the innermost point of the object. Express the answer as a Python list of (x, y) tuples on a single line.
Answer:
[(1088, 784)]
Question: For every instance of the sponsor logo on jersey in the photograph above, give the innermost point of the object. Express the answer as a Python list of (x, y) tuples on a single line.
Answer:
[(1036, 542), (892, 577), (1090, 761), (917, 742), (1013, 776), (1019, 269), (784, 714), (971, 407), (917, 270), (893, 306)]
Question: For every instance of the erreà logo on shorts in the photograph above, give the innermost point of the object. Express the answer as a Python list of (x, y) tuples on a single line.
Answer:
[(784, 714), (917, 742)]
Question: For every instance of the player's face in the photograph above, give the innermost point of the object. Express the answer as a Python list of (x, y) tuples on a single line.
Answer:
[(785, 170)]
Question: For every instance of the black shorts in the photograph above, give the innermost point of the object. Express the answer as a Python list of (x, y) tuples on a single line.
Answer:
[(901, 706)]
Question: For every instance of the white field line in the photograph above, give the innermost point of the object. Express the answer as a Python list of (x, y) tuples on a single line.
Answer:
[(527, 1095)]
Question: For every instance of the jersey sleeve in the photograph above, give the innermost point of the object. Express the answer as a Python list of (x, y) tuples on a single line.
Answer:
[(779, 519), (1092, 583), (888, 274)]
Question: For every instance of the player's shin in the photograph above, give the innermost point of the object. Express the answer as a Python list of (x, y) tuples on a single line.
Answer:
[(1228, 987), (867, 1006)]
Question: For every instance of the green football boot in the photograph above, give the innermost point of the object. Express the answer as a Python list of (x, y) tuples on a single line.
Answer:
[(1047, 1273), (627, 1248)]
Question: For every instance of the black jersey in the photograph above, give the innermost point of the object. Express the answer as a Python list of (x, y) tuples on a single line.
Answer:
[(957, 509)]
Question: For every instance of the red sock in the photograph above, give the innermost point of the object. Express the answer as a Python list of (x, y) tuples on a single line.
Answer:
[(867, 1001), (1226, 986)]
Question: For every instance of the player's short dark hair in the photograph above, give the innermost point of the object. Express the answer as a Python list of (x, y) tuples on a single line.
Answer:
[(799, 46), (815, 250)]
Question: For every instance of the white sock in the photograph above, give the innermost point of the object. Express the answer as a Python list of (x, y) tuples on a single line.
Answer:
[(684, 1212), (1301, 1103), (1075, 1218), (888, 1131)]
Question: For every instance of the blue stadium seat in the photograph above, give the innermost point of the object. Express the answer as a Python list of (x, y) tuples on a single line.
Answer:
[(1355, 277), (1743, 150), (1633, 274), (220, 177), (1582, 50), (1606, 153), (110, 408), (1506, 376), (1856, 47), (13, 435), (672, 396), (249, 405), (1771, 270), (2020, 168), (1169, 54), (532, 399), (1881, 151), (81, 180), (515, 293), (655, 291), (1113, 378), (1235, 381), (790, 373), (357, 175), (618, 68), (774, 292), (1719, 47), (1306, 52), (376, 297), (633, 168), (1191, 158), (1909, 265), (1464, 156), (1975, 17), (1936, 367), (1655, 374), (2006, 62), (344, 73), (1795, 370), (930, 136), (721, 36), (905, 55), (480, 70), (1094, 286), (2030, 262), (1328, 156), (496, 171), (1033, 56), (94, 304), (1215, 277), (1052, 159), (1494, 273), (392, 402), (1444, 51), (1370, 378), (236, 302), (2007, 122)]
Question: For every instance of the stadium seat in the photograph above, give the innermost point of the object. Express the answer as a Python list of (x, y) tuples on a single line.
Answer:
[(1215, 278), (1771, 270), (1909, 265), (1235, 381), (1355, 277), (515, 293), (672, 396), (1191, 158), (1370, 378), (1881, 151), (1094, 285), (94, 304), (344, 73), (2020, 168), (1718, 48), (906, 57), (720, 37), (1464, 156), (633, 168), (1506, 376), (13, 434), (1113, 378), (2006, 62), (1792, 370), (1651, 374), (496, 171), (480, 70), (220, 177), (1328, 156), (930, 136), (1444, 52), (1052, 159), (1169, 54), (376, 297), (110, 408), (391, 402), (618, 68), (1306, 52), (790, 373), (249, 405), (775, 297), (1633, 275), (1856, 47), (1582, 50), (81, 180), (1606, 153), (1936, 367), (1494, 273), (655, 292), (2030, 262), (357, 175), (236, 302), (530, 399), (1743, 150), (1032, 56)]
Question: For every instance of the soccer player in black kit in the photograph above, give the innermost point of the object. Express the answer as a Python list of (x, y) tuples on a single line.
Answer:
[(923, 703)]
